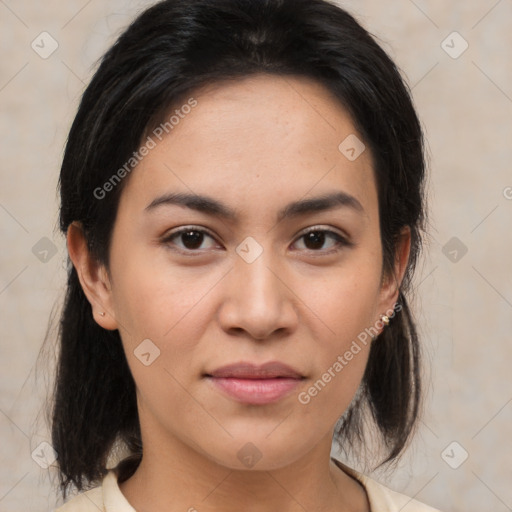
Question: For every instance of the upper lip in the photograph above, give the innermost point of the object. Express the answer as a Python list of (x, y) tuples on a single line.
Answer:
[(246, 370)]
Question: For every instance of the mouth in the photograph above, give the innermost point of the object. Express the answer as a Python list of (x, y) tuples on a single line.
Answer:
[(247, 370), (257, 385)]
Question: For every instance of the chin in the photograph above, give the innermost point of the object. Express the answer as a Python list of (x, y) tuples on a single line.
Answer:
[(256, 453)]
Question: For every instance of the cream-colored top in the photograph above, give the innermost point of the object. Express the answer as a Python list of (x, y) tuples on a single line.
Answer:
[(108, 497)]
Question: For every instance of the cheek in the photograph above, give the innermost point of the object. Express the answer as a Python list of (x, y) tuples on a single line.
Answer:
[(160, 323), (171, 308), (340, 365), (345, 302), (152, 298), (341, 309)]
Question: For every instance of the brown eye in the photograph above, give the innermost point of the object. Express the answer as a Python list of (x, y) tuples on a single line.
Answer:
[(189, 240), (315, 240), (192, 239)]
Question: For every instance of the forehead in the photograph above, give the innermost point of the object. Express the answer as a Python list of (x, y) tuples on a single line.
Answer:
[(248, 138), (256, 109)]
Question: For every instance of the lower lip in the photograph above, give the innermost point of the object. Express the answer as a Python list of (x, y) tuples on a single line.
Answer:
[(255, 391)]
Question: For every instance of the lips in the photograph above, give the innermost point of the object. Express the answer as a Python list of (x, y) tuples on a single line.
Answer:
[(245, 370), (255, 385)]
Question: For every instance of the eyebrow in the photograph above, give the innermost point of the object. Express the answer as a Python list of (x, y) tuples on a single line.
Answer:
[(210, 206)]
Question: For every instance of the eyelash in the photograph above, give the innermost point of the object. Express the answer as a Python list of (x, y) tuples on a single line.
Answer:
[(341, 240)]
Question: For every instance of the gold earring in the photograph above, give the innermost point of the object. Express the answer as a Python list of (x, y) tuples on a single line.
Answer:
[(385, 319)]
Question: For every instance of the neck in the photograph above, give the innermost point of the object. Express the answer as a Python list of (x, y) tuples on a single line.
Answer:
[(173, 477)]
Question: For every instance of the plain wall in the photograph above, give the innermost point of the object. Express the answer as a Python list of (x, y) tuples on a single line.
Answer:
[(464, 304)]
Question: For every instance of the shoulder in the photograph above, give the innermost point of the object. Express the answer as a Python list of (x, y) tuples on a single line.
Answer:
[(382, 498), (89, 501), (105, 498)]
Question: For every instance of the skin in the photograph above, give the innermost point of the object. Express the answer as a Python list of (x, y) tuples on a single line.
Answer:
[(256, 145)]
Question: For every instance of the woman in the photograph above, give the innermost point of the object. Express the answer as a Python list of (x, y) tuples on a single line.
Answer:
[(242, 195)]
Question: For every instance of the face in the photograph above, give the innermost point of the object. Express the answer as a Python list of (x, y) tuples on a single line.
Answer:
[(280, 261)]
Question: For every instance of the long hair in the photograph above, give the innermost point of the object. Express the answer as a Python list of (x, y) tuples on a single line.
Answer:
[(169, 51)]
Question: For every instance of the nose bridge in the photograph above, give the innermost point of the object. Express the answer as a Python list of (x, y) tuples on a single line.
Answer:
[(257, 301), (258, 283)]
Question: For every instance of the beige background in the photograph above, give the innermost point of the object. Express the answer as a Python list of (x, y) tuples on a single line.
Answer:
[(464, 307)]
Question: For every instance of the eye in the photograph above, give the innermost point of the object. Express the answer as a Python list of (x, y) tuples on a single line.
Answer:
[(315, 238), (191, 238)]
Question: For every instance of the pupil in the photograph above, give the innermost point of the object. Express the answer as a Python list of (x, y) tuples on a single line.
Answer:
[(192, 239), (317, 238)]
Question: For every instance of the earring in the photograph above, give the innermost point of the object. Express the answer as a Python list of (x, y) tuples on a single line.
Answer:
[(102, 313), (385, 319)]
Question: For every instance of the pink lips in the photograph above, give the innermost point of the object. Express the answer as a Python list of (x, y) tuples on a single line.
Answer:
[(253, 384)]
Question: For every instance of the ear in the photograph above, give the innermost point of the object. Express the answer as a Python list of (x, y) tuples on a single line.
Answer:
[(93, 277), (391, 283)]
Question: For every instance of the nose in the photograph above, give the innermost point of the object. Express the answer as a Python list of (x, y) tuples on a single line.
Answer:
[(258, 300)]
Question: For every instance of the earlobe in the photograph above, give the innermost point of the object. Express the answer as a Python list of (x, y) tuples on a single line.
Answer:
[(93, 277)]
